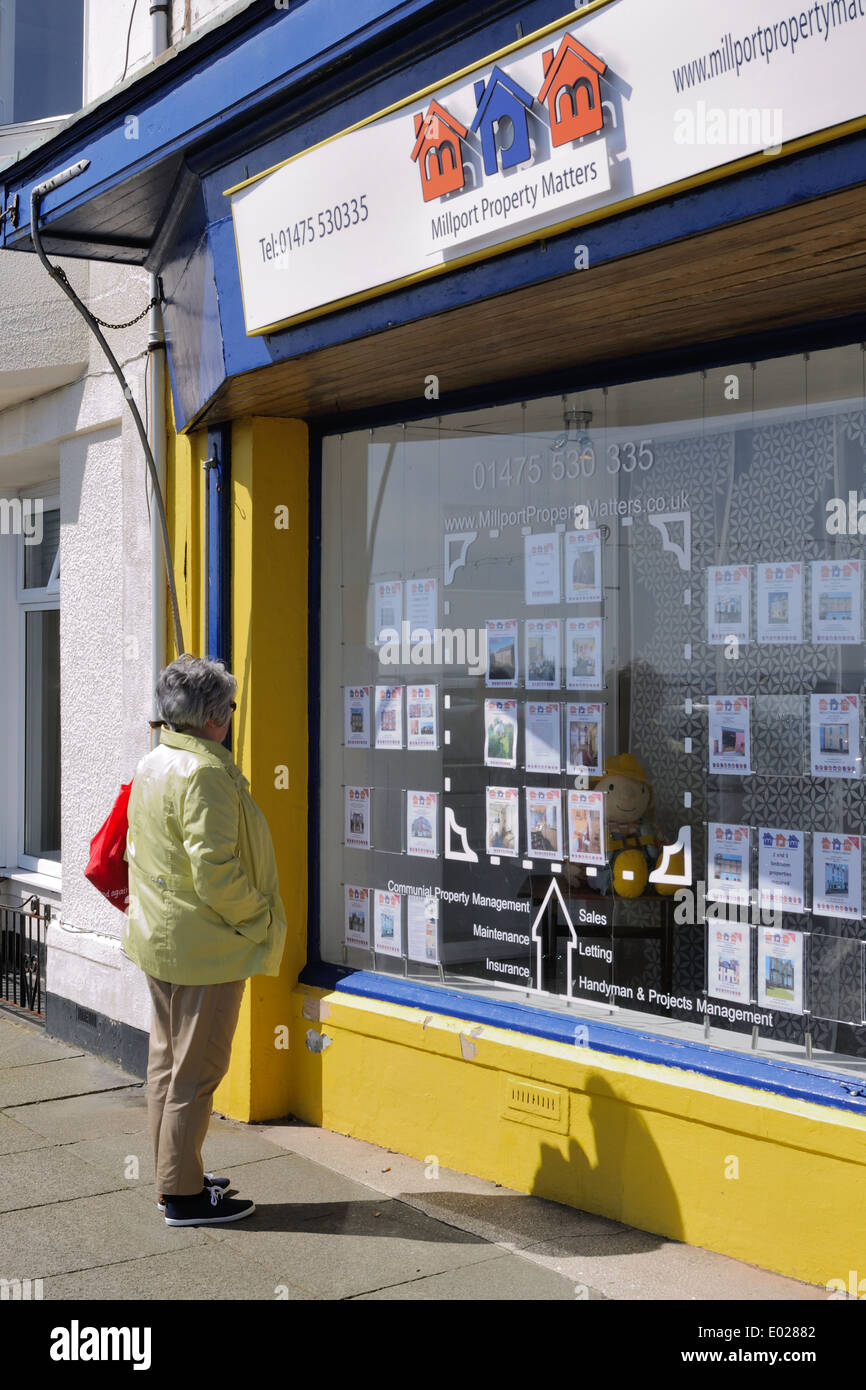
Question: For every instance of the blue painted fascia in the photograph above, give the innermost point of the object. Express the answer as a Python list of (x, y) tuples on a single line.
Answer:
[(786, 1079)]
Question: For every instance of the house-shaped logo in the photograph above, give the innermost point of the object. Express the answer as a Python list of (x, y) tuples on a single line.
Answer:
[(499, 99), (569, 100), (437, 151), (572, 91)]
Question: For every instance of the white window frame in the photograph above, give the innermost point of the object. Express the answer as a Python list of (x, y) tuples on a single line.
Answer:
[(32, 601)]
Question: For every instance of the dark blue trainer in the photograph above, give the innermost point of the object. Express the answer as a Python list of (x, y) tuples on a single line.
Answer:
[(209, 1181), (210, 1208)]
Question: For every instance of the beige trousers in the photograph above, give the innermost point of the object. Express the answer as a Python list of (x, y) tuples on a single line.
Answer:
[(190, 1046)]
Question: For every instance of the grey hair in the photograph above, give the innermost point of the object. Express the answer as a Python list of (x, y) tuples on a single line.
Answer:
[(193, 690)]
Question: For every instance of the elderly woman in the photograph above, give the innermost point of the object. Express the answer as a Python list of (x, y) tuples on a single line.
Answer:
[(204, 915)]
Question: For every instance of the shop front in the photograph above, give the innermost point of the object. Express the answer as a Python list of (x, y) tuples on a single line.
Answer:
[(539, 391)]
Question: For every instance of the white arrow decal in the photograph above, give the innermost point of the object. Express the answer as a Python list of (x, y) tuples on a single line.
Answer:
[(535, 935)]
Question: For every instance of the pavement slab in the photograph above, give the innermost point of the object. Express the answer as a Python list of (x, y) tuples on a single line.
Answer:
[(669, 1270), (71, 1076), (15, 1136), (289, 1178), (207, 1271), (22, 1043), (87, 1233), (501, 1278), (50, 1175), (90, 1115), (226, 1151)]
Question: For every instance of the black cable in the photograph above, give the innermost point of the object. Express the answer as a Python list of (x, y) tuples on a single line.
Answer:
[(128, 35)]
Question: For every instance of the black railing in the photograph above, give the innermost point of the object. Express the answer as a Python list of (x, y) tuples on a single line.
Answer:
[(23, 928)]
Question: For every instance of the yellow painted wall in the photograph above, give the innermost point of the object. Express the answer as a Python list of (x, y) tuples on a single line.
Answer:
[(778, 1183), (270, 470), (184, 504)]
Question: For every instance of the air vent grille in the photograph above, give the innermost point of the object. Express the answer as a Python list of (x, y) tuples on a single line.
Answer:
[(526, 1102)]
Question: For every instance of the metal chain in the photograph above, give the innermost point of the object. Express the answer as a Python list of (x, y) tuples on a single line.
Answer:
[(152, 303)]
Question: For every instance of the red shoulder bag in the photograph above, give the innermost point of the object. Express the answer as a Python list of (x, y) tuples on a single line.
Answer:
[(106, 868)]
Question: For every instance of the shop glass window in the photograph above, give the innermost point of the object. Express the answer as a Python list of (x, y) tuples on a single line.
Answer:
[(591, 710)]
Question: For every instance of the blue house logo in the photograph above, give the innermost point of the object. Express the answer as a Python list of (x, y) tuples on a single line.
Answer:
[(502, 99)]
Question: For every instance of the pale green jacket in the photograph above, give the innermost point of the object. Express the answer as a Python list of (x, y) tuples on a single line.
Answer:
[(204, 902)]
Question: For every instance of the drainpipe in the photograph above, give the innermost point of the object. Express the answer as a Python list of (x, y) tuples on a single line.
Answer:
[(159, 42), (218, 544)]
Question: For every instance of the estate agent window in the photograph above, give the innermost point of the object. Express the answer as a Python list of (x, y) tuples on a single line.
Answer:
[(591, 712)]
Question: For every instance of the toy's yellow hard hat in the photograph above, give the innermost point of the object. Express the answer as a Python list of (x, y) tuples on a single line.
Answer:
[(625, 765)]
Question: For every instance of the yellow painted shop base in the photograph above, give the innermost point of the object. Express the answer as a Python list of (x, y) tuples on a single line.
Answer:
[(778, 1183)]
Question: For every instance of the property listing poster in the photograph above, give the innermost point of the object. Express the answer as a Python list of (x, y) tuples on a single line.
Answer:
[(421, 608), (834, 735), (780, 603), (387, 923), (728, 871), (422, 929), (836, 875), (500, 733), (586, 839), (544, 822), (543, 753), (781, 870), (583, 659), (389, 716), (730, 734), (728, 962), (502, 664), (502, 820), (358, 817), (780, 970), (583, 567), (542, 653), (387, 611), (422, 823), (583, 738), (541, 568), (727, 603), (421, 715), (357, 931), (357, 721), (836, 601)]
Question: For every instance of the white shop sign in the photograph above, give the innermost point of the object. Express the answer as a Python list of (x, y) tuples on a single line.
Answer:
[(617, 102)]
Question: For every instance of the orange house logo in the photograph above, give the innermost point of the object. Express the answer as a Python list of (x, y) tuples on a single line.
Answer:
[(572, 91), (437, 151), (570, 96)]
